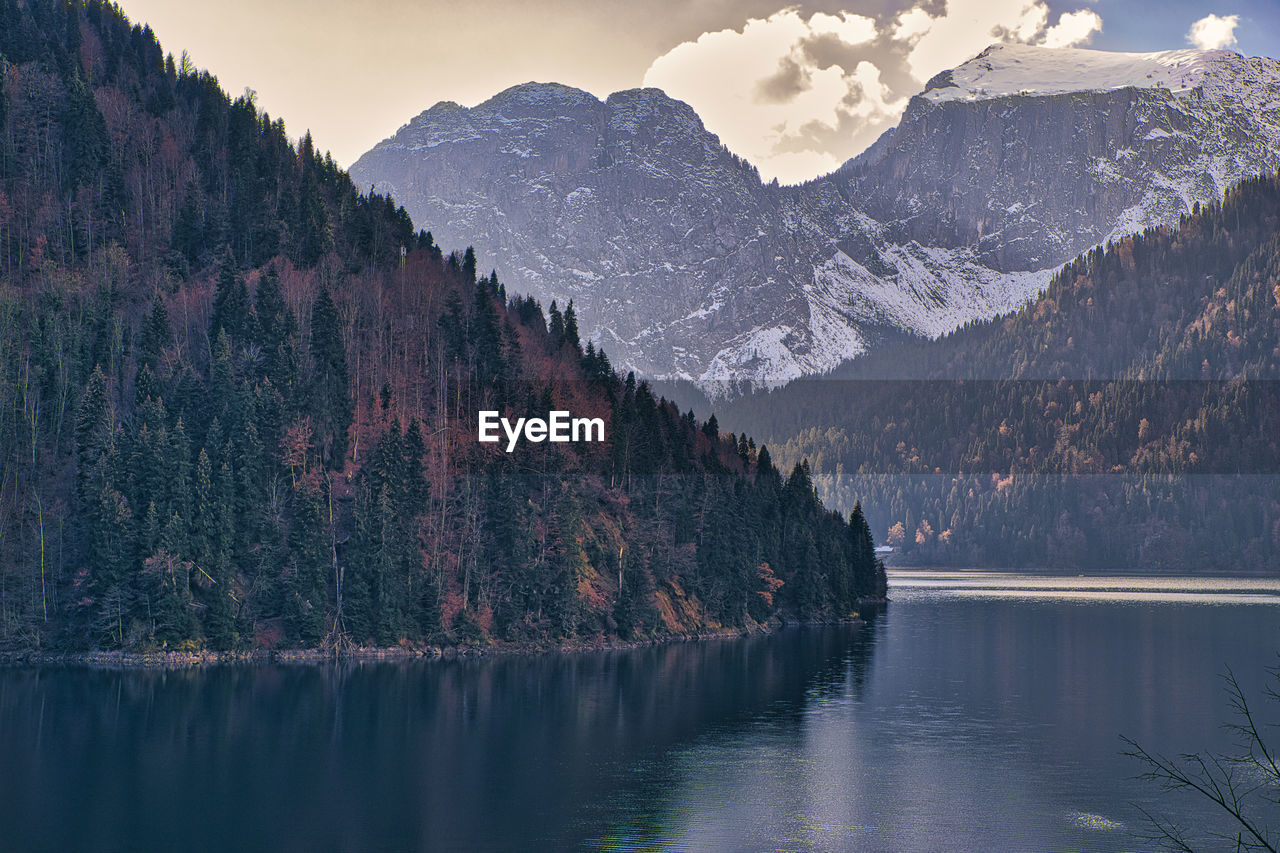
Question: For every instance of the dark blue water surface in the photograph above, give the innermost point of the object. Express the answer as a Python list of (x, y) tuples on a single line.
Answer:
[(974, 715)]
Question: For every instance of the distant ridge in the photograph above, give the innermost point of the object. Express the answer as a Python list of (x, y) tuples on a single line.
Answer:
[(686, 266)]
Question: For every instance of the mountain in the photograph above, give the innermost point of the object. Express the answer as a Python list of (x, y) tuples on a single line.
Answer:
[(686, 266), (1032, 155), (1128, 417), (627, 206), (240, 402)]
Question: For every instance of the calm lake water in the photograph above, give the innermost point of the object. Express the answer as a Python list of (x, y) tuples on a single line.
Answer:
[(979, 713)]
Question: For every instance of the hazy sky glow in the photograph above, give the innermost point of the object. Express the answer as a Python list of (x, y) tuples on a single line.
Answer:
[(795, 88)]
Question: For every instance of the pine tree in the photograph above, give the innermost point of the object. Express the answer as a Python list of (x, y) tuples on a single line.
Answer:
[(85, 133), (92, 436), (222, 379), (176, 465), (313, 226), (556, 327), (486, 336), (169, 594), (571, 327), (309, 538), (220, 618), (469, 266), (331, 406), (110, 522), (764, 462), (276, 327), (417, 487), (230, 303), (156, 336), (188, 230), (862, 553), (203, 533)]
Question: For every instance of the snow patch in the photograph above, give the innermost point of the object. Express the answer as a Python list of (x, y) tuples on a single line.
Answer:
[(935, 291), (1018, 69)]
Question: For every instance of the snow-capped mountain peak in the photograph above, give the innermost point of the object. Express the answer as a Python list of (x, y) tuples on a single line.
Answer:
[(1018, 69), (682, 264)]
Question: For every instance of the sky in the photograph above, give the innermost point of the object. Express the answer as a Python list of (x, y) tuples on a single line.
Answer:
[(794, 88)]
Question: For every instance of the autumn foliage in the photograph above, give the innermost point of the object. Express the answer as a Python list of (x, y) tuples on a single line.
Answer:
[(238, 403)]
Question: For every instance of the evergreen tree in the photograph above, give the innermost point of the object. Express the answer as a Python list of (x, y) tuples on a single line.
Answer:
[(310, 559), (188, 230), (486, 334), (764, 462), (230, 303), (469, 266), (217, 523), (156, 336), (276, 327), (313, 225), (85, 132), (332, 406), (92, 436), (556, 328), (571, 327)]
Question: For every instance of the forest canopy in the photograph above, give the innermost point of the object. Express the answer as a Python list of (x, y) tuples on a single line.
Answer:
[(238, 403), (1128, 417)]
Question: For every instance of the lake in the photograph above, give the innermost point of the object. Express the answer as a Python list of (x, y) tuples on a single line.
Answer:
[(980, 712)]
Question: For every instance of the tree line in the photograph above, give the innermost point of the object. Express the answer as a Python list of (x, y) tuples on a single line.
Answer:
[(1127, 417), (238, 403)]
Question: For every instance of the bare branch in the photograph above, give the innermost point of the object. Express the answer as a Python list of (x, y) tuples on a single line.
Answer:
[(1225, 780), (1165, 833)]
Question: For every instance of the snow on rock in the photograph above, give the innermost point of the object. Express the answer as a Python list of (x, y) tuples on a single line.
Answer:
[(1018, 69), (682, 264)]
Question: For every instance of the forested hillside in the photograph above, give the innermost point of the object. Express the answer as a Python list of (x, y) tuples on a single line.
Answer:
[(1126, 418), (238, 403)]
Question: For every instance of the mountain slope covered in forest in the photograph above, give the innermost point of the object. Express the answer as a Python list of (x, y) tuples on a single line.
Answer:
[(238, 403), (1128, 417)]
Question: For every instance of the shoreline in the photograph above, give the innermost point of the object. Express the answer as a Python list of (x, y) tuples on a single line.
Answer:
[(168, 660)]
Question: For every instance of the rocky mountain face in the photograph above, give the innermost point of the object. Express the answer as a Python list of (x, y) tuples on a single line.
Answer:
[(1032, 156), (683, 264)]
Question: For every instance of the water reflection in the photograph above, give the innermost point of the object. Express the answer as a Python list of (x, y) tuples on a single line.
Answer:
[(957, 721), (474, 754), (983, 724)]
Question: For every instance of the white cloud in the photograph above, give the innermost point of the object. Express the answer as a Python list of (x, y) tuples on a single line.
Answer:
[(968, 26), (798, 96), (1212, 32), (756, 88), (849, 28), (912, 24), (1073, 28)]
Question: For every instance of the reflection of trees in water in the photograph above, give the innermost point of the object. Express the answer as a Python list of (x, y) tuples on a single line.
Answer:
[(647, 810), (475, 751)]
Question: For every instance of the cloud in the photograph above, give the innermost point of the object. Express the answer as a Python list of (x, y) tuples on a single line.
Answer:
[(761, 91), (1212, 32), (1073, 28), (967, 27), (797, 96), (790, 80)]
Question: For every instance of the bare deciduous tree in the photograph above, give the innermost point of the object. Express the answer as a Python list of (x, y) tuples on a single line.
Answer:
[(1244, 784)]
